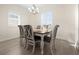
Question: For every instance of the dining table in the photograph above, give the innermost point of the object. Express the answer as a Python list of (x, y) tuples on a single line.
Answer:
[(42, 33)]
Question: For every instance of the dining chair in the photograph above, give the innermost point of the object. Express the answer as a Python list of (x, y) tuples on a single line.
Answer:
[(45, 26), (29, 36), (38, 26), (21, 31), (47, 38), (22, 34), (51, 39)]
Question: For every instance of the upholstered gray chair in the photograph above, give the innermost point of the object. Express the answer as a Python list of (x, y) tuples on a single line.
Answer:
[(29, 35), (22, 34), (51, 39), (21, 29), (46, 26), (48, 37), (38, 26)]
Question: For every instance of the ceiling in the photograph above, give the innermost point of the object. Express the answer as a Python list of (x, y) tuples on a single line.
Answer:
[(30, 5)]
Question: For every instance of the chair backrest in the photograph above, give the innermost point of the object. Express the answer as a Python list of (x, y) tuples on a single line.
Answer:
[(21, 29), (39, 26), (46, 26), (55, 31), (29, 33)]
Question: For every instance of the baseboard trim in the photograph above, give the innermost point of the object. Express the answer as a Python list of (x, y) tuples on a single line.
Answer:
[(8, 39), (71, 42)]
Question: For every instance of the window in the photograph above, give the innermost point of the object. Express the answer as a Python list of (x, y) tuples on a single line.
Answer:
[(13, 19), (46, 18)]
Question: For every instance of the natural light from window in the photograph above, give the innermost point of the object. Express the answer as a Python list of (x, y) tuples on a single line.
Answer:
[(46, 18), (13, 19)]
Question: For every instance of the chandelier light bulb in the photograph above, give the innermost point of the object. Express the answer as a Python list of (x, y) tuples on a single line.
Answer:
[(34, 9)]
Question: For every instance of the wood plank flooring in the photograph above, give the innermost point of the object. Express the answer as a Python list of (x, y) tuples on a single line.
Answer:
[(14, 47)]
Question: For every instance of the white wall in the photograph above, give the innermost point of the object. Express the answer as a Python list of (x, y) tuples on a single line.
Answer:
[(78, 27), (9, 32), (66, 20)]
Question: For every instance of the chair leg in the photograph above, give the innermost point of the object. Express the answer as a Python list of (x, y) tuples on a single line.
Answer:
[(76, 50), (52, 48), (25, 44), (54, 51), (33, 49)]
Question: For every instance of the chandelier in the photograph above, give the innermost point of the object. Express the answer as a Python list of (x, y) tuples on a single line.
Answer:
[(33, 9)]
